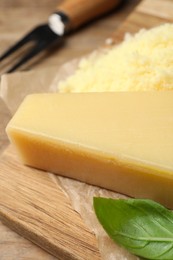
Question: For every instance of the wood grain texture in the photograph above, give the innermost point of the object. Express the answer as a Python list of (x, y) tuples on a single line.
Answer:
[(14, 247), (24, 15), (80, 12), (18, 201), (37, 208), (146, 15)]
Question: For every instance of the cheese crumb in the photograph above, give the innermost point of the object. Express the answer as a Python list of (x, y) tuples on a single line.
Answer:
[(143, 61)]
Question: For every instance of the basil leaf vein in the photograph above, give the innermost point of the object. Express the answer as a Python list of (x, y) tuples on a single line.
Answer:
[(143, 227)]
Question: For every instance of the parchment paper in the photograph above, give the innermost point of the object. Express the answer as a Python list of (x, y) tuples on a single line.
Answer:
[(14, 87)]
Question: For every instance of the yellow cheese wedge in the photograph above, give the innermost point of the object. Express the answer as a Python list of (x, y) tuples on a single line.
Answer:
[(121, 141)]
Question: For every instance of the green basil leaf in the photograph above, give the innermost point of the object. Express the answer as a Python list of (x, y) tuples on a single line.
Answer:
[(143, 227)]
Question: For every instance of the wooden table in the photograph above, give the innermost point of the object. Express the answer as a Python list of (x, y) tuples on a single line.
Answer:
[(15, 21), (16, 18)]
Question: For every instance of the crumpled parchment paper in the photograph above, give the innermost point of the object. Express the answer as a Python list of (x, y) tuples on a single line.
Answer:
[(14, 87)]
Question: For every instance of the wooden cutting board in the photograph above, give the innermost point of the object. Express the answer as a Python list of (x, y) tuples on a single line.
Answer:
[(37, 208)]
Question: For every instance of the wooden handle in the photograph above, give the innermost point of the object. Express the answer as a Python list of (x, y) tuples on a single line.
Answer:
[(83, 11)]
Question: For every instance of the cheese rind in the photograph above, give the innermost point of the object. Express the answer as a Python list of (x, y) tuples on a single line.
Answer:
[(121, 141)]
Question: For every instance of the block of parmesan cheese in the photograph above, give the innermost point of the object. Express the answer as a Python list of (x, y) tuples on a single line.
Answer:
[(121, 141)]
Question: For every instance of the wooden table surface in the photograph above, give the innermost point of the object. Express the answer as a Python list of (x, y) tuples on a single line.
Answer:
[(19, 16), (16, 18)]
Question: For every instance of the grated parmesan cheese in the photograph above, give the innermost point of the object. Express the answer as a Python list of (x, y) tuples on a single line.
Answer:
[(143, 61)]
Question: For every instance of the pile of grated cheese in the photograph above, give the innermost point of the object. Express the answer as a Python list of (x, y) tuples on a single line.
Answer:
[(143, 61)]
